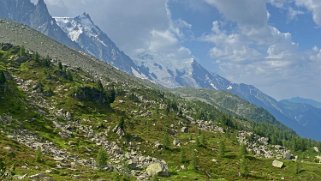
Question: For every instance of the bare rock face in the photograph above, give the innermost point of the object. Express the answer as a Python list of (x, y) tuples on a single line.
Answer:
[(158, 168), (277, 164)]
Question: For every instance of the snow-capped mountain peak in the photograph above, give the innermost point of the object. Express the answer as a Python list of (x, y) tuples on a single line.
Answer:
[(82, 30), (74, 27)]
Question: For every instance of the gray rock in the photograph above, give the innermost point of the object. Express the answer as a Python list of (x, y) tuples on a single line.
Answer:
[(176, 142), (19, 177), (159, 168), (158, 145), (316, 149), (184, 129), (132, 164), (287, 155), (40, 176), (68, 116), (277, 164)]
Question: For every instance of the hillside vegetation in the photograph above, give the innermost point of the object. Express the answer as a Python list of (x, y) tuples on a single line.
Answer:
[(62, 123), (67, 116)]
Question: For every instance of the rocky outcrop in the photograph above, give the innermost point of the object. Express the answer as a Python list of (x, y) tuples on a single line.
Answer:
[(208, 126), (261, 148)]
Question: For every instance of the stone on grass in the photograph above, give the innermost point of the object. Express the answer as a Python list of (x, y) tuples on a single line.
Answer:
[(316, 149), (158, 168), (277, 164), (184, 129)]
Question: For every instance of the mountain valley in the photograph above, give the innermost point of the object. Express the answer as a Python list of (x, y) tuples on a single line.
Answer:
[(74, 106)]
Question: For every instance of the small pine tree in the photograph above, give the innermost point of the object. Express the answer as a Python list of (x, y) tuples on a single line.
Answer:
[(111, 95), (2, 167), (100, 86), (69, 76), (182, 156), (197, 142), (2, 78), (60, 66), (194, 161), (243, 151), (202, 140), (121, 124), (38, 155), (22, 51), (166, 141), (244, 171), (47, 61), (221, 149), (36, 57), (297, 167), (101, 159)]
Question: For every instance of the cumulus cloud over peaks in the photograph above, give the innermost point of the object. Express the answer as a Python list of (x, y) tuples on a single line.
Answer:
[(128, 23), (255, 51), (134, 25), (314, 6), (242, 42), (247, 12)]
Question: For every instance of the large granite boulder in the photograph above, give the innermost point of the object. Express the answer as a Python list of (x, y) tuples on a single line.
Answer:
[(158, 168), (277, 164)]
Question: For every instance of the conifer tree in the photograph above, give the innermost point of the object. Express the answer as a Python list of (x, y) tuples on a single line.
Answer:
[(2, 78), (244, 171), (221, 149), (101, 159), (202, 140), (166, 141), (194, 161), (60, 66), (38, 155), (22, 51), (182, 156), (243, 151)]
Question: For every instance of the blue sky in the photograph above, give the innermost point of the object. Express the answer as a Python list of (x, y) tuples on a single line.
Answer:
[(272, 44)]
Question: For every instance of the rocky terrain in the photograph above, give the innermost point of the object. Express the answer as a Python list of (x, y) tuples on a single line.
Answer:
[(66, 116)]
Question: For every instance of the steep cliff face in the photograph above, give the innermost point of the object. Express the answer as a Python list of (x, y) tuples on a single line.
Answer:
[(36, 16)]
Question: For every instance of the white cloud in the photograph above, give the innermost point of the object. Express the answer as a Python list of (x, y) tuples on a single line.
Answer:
[(245, 12), (254, 52), (293, 13), (258, 53), (128, 23), (134, 25), (314, 6), (278, 3), (229, 47)]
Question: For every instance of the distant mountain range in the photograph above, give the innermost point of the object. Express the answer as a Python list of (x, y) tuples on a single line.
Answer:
[(301, 100), (82, 34)]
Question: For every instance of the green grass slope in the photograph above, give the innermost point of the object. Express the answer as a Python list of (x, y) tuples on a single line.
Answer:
[(56, 118)]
